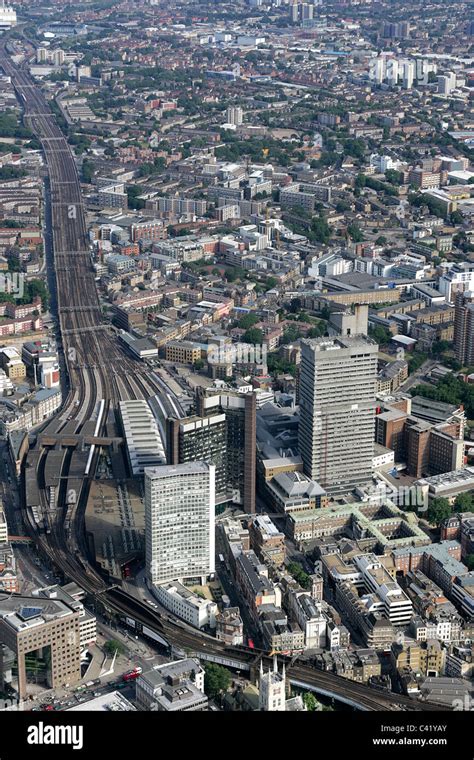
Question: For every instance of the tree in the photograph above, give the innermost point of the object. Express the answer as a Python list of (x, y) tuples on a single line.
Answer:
[(198, 364), (12, 172), (87, 170), (145, 170), (160, 163), (318, 331), (310, 701), (277, 365), (133, 201), (438, 510), (463, 502), (248, 321), (325, 312), (320, 230), (216, 680), (470, 561), (253, 335), (113, 646), (439, 347), (355, 232), (355, 148), (295, 569), (394, 177), (456, 218), (380, 334), (291, 334)]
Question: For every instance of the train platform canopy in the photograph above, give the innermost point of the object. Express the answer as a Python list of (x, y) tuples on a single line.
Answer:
[(142, 348)]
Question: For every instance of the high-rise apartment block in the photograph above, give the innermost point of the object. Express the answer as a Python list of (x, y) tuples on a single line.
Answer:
[(447, 83), (464, 327), (337, 408), (394, 31), (408, 74), (235, 115), (179, 522)]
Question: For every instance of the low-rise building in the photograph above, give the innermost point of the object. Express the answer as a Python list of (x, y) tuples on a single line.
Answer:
[(266, 540), (254, 584), (230, 627), (187, 605), (173, 687)]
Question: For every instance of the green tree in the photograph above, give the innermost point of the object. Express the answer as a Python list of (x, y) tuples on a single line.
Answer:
[(439, 347), (320, 230), (470, 561), (145, 170), (87, 170), (291, 334), (216, 680), (318, 331), (463, 502), (295, 569), (325, 312), (456, 218), (355, 232), (438, 510), (253, 335), (12, 172), (277, 365), (310, 701), (113, 646), (248, 321), (380, 334), (394, 177), (133, 191)]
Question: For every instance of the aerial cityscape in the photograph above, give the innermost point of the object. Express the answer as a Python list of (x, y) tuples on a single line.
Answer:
[(236, 357)]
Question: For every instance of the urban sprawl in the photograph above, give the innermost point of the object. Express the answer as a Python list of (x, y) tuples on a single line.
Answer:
[(236, 355)]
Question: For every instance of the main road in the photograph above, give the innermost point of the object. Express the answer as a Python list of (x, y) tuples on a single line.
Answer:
[(99, 371)]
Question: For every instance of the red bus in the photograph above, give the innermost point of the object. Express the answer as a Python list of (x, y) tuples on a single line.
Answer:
[(132, 674)]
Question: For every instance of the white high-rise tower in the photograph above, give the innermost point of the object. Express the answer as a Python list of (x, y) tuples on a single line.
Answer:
[(235, 115), (337, 409), (180, 522)]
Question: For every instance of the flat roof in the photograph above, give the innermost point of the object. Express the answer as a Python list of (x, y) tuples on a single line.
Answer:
[(113, 702)]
